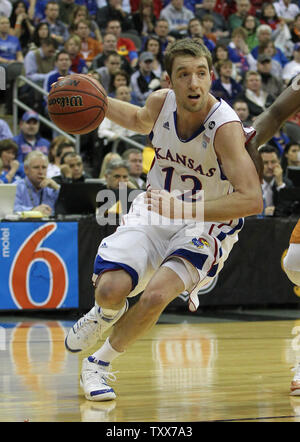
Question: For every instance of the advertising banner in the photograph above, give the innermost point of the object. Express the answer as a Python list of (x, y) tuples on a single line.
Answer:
[(38, 265)]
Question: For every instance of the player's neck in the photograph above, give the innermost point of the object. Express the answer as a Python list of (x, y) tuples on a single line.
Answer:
[(189, 122)]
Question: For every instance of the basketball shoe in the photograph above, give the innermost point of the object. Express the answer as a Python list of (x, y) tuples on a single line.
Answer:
[(93, 380), (88, 330), (295, 384)]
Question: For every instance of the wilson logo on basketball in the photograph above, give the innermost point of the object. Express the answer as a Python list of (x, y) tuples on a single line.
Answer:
[(19, 279), (74, 101)]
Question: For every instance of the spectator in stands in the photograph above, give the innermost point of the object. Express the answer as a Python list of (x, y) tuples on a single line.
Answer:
[(286, 10), (113, 11), (39, 10), (12, 170), (221, 53), (142, 80), (242, 109), (161, 30), (225, 86), (292, 68), (107, 159), (41, 32), (5, 8), (235, 20), (36, 191), (5, 131), (62, 68), (144, 19), (64, 147), (268, 16), (11, 58), (270, 50), (82, 13), (290, 157), (29, 138), (134, 158), (264, 35), (72, 170), (58, 30), (279, 140), (125, 46), (112, 64), (72, 46), (178, 17), (295, 30), (91, 7), (239, 52), (257, 99), (207, 23), (273, 179), (153, 45), (21, 23), (117, 172), (250, 24), (271, 84), (195, 30), (40, 61), (110, 44), (118, 78), (220, 24), (66, 11), (90, 47), (53, 159)]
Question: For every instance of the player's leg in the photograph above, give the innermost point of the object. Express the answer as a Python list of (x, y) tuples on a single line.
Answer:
[(165, 286), (291, 265), (111, 291), (291, 262)]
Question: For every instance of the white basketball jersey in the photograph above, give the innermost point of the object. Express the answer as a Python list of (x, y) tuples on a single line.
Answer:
[(190, 164)]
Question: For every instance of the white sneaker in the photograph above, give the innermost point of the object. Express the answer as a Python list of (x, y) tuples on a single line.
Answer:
[(89, 329), (295, 384), (93, 381)]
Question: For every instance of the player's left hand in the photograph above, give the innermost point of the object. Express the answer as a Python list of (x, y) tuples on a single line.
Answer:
[(169, 205)]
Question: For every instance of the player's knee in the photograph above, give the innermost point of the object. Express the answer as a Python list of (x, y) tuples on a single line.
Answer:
[(112, 289), (153, 301)]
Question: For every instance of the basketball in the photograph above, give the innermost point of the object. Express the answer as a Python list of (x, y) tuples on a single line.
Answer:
[(77, 104)]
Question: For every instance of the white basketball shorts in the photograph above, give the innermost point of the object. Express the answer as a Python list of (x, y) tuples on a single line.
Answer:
[(140, 249)]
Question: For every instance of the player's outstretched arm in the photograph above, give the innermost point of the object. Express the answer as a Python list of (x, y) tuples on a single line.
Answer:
[(135, 118), (267, 123)]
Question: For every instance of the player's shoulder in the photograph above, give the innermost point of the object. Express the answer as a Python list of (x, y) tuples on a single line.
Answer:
[(156, 100)]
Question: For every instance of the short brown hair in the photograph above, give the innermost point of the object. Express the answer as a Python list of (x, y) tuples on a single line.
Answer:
[(186, 46), (8, 144)]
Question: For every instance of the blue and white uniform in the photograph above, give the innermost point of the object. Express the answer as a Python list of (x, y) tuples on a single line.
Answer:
[(181, 165)]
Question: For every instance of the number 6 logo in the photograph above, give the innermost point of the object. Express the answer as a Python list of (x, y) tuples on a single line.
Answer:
[(20, 271)]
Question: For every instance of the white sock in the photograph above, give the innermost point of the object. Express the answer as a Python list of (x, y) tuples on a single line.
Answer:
[(106, 354)]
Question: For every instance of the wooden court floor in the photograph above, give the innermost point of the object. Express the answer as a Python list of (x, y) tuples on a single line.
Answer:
[(199, 372)]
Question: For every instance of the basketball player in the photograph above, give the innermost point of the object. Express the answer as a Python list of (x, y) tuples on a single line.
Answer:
[(266, 124), (199, 144)]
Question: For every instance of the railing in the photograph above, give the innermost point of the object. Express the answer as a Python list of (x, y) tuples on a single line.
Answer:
[(75, 139)]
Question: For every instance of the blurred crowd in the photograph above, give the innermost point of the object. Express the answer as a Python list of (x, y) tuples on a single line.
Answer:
[(255, 46)]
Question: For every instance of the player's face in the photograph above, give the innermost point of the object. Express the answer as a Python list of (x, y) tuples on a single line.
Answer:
[(191, 82), (36, 171)]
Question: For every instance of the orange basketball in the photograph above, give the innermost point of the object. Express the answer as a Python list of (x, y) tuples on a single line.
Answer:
[(76, 104)]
